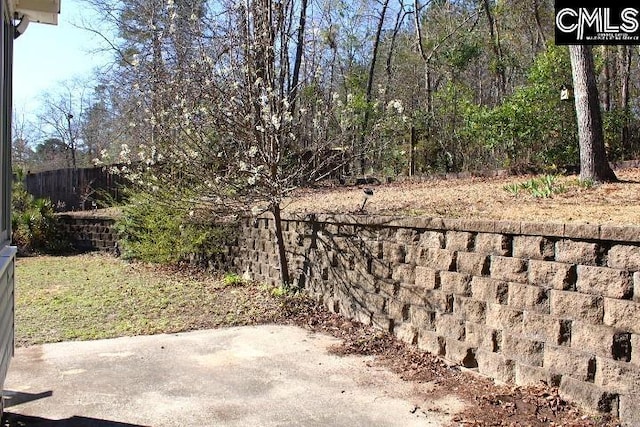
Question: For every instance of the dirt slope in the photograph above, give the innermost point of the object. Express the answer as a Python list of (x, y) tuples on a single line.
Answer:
[(486, 198)]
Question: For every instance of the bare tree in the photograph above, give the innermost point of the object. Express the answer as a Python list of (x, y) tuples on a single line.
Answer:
[(23, 136), (61, 117), (593, 157)]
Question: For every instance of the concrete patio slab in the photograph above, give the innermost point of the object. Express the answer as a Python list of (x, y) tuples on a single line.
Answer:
[(248, 376)]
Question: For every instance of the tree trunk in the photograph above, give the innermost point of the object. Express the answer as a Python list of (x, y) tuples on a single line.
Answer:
[(293, 89), (282, 254), (371, 75), (593, 157), (606, 98), (625, 73), (494, 32), (540, 30)]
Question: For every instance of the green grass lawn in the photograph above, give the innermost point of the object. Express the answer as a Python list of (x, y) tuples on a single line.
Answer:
[(80, 297)]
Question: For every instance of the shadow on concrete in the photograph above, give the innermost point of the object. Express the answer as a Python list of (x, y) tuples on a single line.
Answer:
[(14, 398), (17, 420)]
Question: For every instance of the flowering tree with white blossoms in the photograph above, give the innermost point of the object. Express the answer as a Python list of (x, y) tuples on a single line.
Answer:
[(233, 120)]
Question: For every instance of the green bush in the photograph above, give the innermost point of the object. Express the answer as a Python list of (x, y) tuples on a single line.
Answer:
[(154, 231), (35, 227), (532, 129)]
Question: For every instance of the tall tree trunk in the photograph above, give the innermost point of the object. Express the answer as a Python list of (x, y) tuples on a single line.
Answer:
[(426, 58), (392, 45), (593, 157), (625, 73), (496, 45), (369, 93), (606, 97), (536, 15), (293, 90)]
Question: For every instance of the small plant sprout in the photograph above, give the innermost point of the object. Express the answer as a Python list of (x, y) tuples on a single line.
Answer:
[(233, 279), (541, 188)]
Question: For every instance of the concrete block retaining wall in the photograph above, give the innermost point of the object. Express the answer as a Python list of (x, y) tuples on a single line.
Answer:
[(523, 303), (88, 232)]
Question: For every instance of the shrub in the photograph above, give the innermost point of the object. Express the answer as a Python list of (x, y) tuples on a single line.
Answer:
[(35, 227), (154, 231)]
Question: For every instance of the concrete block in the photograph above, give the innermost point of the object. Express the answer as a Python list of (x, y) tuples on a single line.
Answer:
[(386, 288), (618, 377), (496, 366), (620, 233), (553, 275), (450, 326), (381, 269), (438, 259), (600, 340), (636, 286), (373, 249), (542, 228), (571, 251), (421, 318), (406, 332), (504, 318), (411, 294), (635, 349), (484, 226), (629, 411), (622, 314), (383, 323), (392, 252), (508, 227), (508, 269), (398, 310), (455, 283), (533, 247), (566, 361), (527, 297), (489, 290), (581, 231), (483, 337), (432, 343), (576, 306), (438, 301), (426, 277), (533, 376), (588, 396), (522, 349), (375, 302), (432, 239), (404, 273), (493, 244), (469, 309), (460, 353), (471, 263), (459, 241), (361, 314), (624, 257), (604, 281), (542, 327), (406, 235)]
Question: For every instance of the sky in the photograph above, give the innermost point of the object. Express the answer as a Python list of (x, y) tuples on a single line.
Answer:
[(46, 55)]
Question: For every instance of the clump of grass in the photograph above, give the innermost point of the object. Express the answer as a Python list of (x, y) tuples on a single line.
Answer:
[(540, 187), (586, 184), (233, 279)]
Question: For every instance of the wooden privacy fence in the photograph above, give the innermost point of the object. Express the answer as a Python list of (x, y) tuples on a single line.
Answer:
[(78, 189)]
